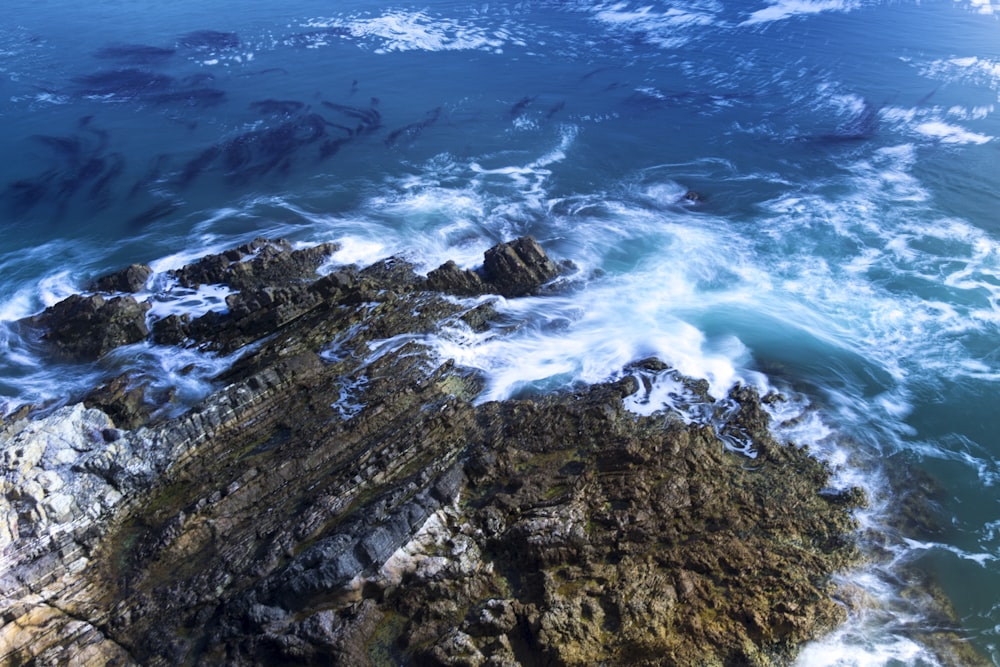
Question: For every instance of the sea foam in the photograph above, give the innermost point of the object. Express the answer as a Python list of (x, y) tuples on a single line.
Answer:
[(784, 9)]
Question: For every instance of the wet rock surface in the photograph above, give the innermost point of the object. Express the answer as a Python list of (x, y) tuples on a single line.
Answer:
[(85, 328), (130, 279), (343, 499), (256, 265), (512, 269)]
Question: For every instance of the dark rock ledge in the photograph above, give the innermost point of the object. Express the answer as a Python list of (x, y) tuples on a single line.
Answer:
[(331, 506)]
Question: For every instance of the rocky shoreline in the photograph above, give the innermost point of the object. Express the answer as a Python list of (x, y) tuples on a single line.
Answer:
[(343, 498)]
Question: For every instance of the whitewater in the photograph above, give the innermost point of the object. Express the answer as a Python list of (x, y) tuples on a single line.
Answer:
[(796, 195)]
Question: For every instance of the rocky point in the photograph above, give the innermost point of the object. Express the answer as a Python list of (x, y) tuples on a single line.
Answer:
[(343, 498)]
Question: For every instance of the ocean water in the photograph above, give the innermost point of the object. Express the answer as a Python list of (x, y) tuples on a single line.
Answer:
[(843, 247)]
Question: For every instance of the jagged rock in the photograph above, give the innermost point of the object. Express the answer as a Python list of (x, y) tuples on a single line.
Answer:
[(511, 269), (130, 279), (277, 285), (172, 329), (455, 649), (83, 644), (519, 267), (453, 280), (256, 265), (394, 271), (86, 328)]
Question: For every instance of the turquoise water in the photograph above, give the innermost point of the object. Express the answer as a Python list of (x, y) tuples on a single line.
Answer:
[(845, 247)]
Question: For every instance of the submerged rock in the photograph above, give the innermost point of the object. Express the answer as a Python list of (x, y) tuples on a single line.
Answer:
[(342, 499)]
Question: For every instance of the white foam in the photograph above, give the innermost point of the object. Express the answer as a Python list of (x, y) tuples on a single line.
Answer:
[(347, 404), (185, 372), (971, 69), (451, 210), (26, 378), (358, 251), (885, 227), (55, 287), (974, 113), (858, 646), (179, 300), (50, 98), (17, 306), (784, 9), (659, 392), (951, 134), (979, 558), (194, 251), (985, 6), (25, 292), (425, 222), (589, 338), (666, 193), (398, 30), (664, 29)]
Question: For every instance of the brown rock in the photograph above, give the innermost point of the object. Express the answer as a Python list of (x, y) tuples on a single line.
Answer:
[(338, 501), (122, 399)]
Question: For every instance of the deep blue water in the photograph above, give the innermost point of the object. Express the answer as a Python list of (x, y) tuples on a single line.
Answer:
[(845, 247)]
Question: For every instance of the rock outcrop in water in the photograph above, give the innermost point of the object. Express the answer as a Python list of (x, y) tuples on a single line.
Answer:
[(343, 499), (510, 269), (86, 328)]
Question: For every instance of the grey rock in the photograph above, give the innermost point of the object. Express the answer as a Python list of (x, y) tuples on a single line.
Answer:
[(86, 328), (130, 279), (512, 269), (519, 267)]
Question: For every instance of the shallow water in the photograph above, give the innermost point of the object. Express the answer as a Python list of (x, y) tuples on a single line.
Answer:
[(845, 246)]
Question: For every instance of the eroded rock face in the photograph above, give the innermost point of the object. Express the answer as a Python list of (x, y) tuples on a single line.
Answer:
[(123, 400), (342, 500)]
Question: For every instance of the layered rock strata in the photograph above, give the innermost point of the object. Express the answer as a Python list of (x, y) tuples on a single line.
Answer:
[(343, 499)]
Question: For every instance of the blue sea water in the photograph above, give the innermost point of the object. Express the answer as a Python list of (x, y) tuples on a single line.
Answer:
[(844, 246)]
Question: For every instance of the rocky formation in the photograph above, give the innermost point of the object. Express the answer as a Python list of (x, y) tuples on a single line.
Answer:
[(130, 279), (510, 269), (123, 400), (342, 499), (257, 265), (85, 328)]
